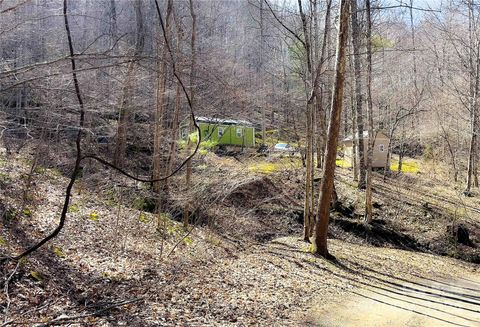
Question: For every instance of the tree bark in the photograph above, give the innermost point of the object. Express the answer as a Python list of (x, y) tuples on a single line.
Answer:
[(474, 60), (188, 177), (309, 149), (326, 187), (125, 111), (356, 36), (320, 110), (159, 162), (371, 136)]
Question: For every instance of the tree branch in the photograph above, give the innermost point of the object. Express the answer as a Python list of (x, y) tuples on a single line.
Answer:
[(79, 156), (295, 35)]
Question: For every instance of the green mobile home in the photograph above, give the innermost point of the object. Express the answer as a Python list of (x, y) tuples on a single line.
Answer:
[(223, 131)]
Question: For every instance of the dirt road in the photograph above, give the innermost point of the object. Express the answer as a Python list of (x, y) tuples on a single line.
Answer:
[(419, 302)]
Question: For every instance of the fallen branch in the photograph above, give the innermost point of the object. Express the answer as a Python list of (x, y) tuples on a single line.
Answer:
[(6, 323), (181, 240), (62, 318), (7, 282)]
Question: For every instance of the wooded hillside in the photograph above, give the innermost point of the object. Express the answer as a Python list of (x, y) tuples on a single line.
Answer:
[(244, 162)]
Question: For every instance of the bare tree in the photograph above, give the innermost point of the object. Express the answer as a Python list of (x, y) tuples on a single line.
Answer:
[(159, 160), (356, 39), (371, 135), (326, 187), (125, 110)]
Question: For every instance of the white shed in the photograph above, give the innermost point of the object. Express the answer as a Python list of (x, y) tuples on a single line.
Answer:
[(379, 159)]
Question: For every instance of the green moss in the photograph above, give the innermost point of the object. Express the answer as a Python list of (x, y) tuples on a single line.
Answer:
[(110, 198), (263, 167), (39, 170), (58, 252), (408, 166), (27, 212), (36, 275), (307, 248), (73, 208), (5, 178), (93, 216), (205, 145), (10, 214), (142, 217), (213, 240), (144, 204), (208, 144), (187, 241), (342, 163)]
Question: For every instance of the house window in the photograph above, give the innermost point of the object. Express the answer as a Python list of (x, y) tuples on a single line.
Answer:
[(221, 131), (381, 147), (239, 132)]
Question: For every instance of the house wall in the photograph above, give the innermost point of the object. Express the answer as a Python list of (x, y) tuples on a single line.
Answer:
[(229, 137), (379, 158), (348, 153)]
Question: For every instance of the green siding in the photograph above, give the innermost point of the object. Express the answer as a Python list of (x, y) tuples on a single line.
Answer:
[(229, 137)]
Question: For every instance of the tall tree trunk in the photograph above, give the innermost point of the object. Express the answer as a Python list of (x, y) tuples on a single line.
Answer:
[(261, 74), (159, 162), (402, 149), (188, 177), (473, 128), (356, 35), (124, 117), (320, 111), (354, 126), (474, 62), (125, 111), (309, 165), (326, 187), (172, 152), (371, 135), (174, 132), (308, 206)]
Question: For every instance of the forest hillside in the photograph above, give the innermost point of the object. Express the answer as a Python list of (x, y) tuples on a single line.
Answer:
[(243, 262), (238, 163)]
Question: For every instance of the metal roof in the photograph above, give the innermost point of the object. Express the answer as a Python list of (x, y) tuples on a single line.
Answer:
[(220, 121), (379, 135)]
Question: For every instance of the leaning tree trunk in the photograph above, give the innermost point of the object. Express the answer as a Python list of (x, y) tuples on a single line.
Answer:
[(326, 188)]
